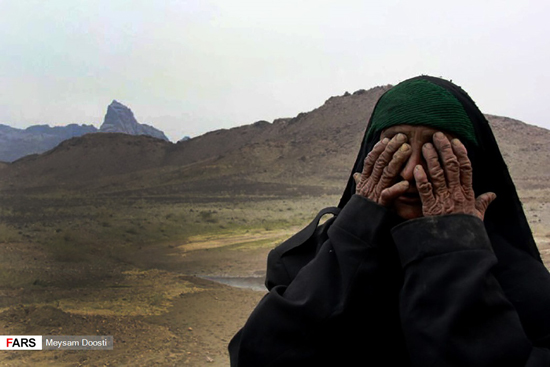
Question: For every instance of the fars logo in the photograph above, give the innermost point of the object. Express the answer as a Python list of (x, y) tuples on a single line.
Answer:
[(21, 342)]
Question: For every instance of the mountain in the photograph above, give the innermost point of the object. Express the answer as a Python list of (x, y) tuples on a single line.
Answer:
[(120, 119), (16, 143), (310, 154)]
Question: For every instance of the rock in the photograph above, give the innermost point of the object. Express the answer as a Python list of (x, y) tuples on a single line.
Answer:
[(17, 143), (261, 123), (120, 119)]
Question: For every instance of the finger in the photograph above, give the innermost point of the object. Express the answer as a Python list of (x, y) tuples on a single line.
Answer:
[(424, 188), (372, 157), (449, 160), (386, 156), (437, 175), (388, 195), (357, 177), (391, 171), (464, 164), (483, 201)]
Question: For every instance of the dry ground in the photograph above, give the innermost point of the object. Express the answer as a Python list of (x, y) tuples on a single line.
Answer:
[(61, 275), (157, 317), (134, 268)]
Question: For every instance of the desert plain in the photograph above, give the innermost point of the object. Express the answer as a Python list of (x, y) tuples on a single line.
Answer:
[(164, 246)]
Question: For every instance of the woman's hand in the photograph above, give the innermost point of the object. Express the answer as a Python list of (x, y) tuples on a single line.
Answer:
[(449, 188), (381, 170)]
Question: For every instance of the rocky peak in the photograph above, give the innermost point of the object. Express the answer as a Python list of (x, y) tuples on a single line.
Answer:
[(120, 119)]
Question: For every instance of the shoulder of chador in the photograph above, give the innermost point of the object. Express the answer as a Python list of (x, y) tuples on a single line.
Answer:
[(286, 260)]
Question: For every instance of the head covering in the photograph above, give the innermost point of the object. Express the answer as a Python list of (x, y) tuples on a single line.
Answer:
[(504, 217), (421, 102)]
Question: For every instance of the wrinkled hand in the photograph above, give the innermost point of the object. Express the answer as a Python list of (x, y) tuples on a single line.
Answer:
[(449, 188), (381, 169)]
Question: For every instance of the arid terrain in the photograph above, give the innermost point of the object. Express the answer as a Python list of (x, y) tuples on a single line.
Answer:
[(91, 270), (131, 236)]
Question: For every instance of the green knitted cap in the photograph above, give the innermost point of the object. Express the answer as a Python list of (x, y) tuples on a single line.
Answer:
[(421, 102)]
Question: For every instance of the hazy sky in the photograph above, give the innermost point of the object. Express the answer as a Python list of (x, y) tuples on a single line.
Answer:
[(192, 66)]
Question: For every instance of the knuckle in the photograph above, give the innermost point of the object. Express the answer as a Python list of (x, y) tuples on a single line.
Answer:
[(368, 187), (433, 209), (424, 187), (466, 167), (451, 163), (432, 160), (389, 171), (458, 197), (385, 196), (369, 161), (445, 146), (448, 205), (437, 174), (441, 191), (385, 193), (401, 155), (380, 165)]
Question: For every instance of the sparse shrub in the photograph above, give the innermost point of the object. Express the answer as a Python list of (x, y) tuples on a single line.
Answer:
[(66, 247), (131, 231), (208, 217), (9, 234)]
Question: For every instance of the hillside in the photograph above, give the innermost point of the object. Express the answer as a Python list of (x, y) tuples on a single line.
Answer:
[(313, 152), (526, 150), (131, 236)]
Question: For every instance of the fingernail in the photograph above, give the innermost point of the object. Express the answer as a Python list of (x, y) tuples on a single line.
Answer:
[(400, 137), (385, 140), (404, 147), (455, 142), (428, 146), (439, 135)]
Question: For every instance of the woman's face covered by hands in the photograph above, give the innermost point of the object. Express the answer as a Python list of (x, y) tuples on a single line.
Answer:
[(419, 171)]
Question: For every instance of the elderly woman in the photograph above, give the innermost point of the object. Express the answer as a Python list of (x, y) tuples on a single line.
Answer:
[(428, 261)]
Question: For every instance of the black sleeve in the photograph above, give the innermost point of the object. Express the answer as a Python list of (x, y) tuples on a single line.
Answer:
[(291, 324), (526, 283), (453, 310)]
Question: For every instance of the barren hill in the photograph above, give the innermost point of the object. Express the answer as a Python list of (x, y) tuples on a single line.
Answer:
[(81, 161), (17, 143), (526, 150), (125, 234), (310, 153)]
